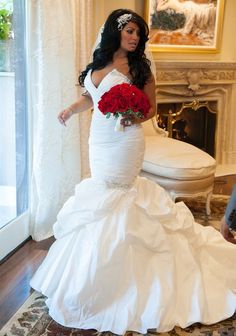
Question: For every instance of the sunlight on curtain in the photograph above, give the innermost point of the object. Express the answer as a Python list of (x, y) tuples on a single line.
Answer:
[(84, 42), (53, 75)]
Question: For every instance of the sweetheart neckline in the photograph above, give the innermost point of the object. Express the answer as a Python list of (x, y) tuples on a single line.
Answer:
[(109, 72)]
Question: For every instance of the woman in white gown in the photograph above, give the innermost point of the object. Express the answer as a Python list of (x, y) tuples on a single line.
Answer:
[(127, 258)]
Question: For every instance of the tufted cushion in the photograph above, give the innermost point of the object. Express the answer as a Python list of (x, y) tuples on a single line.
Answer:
[(176, 159)]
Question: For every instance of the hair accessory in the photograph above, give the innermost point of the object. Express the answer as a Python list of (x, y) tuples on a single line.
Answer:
[(123, 19)]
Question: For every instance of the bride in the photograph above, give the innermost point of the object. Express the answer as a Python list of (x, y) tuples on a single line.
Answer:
[(127, 258)]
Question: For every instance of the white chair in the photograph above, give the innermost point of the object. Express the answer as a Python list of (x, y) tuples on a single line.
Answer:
[(182, 169)]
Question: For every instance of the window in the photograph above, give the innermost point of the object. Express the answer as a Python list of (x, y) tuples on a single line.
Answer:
[(13, 113)]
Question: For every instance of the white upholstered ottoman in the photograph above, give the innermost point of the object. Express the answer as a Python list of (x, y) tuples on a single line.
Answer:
[(182, 169)]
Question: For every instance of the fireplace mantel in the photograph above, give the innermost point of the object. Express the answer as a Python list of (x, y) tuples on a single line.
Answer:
[(194, 64), (210, 72), (205, 81)]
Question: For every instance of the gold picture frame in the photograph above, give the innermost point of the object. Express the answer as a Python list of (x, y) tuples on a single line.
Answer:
[(185, 25)]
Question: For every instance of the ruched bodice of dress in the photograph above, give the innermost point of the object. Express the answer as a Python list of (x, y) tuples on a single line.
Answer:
[(115, 156)]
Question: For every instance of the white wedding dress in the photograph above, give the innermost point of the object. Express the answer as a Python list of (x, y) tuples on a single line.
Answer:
[(126, 257)]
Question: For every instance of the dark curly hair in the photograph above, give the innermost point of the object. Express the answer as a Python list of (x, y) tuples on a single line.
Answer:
[(139, 65)]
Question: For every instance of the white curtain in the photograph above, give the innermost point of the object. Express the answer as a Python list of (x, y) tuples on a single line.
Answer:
[(84, 42), (54, 67)]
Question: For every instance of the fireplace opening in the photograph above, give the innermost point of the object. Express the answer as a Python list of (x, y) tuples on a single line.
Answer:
[(193, 122)]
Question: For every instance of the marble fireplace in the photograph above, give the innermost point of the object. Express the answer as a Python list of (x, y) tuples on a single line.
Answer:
[(197, 85)]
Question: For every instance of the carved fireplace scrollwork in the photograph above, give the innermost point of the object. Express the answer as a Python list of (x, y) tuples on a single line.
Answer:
[(182, 123), (172, 116)]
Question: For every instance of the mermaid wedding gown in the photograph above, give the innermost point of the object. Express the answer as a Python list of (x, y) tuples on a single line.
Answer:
[(126, 257)]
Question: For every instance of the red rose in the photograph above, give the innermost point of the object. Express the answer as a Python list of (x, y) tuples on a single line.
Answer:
[(107, 104), (123, 104)]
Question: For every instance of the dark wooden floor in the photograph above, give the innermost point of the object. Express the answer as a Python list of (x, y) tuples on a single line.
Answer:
[(15, 274)]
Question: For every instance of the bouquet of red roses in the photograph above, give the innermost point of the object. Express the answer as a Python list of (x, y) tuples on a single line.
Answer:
[(124, 100)]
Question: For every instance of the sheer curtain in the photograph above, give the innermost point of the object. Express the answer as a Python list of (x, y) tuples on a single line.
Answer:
[(84, 42), (54, 66)]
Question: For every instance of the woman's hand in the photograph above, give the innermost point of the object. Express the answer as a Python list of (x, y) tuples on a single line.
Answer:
[(65, 115), (226, 233), (127, 121)]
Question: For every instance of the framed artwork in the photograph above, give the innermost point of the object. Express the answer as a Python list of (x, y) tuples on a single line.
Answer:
[(185, 25)]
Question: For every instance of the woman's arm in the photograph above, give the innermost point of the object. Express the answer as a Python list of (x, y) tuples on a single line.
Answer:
[(150, 90), (82, 104), (228, 222)]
